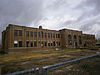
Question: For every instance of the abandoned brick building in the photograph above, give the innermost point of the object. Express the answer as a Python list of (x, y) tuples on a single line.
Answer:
[(16, 38)]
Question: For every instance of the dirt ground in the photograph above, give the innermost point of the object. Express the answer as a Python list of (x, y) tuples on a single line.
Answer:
[(10, 67)]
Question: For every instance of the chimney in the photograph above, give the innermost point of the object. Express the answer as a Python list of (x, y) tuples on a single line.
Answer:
[(40, 27)]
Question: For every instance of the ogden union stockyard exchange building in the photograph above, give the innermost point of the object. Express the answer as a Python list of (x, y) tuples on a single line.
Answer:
[(16, 38)]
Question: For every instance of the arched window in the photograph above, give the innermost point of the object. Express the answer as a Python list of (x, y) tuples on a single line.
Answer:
[(79, 37), (75, 37), (69, 36)]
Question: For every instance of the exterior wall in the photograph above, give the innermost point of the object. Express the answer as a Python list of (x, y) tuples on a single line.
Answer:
[(89, 41), (68, 39), (26, 38)]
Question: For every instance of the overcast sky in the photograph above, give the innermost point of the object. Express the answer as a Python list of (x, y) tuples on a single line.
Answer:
[(52, 14)]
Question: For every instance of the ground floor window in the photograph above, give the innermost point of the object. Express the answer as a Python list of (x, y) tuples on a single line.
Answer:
[(15, 43), (69, 42), (27, 44), (54, 43), (48, 44), (20, 43), (31, 43), (35, 43)]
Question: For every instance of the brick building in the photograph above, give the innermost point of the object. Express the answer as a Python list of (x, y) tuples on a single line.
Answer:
[(16, 38)]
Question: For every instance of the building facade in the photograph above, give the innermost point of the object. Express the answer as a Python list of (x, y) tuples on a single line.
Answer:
[(26, 38)]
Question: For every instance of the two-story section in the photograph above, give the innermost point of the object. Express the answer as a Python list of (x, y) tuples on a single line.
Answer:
[(71, 38), (22, 37)]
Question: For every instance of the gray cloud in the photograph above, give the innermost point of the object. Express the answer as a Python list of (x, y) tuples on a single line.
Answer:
[(55, 14)]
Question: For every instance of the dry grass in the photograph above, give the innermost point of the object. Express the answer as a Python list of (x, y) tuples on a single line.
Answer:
[(25, 56)]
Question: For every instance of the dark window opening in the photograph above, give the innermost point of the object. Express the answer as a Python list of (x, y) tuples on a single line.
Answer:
[(58, 35), (51, 44), (27, 33), (69, 36), (39, 34), (54, 43), (53, 35), (15, 32), (27, 44), (15, 45), (35, 34), (20, 32), (20, 43), (42, 34), (45, 34), (48, 35), (48, 44), (31, 44), (80, 42), (31, 33), (35, 43), (75, 37)]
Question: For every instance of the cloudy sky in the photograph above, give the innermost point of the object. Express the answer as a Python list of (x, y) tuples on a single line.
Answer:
[(52, 14)]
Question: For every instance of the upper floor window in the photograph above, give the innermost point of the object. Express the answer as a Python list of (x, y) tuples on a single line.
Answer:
[(17, 32), (79, 37), (58, 35), (69, 36), (39, 34), (53, 35), (42, 34), (75, 37), (35, 34), (31, 33), (45, 34), (27, 33), (48, 35)]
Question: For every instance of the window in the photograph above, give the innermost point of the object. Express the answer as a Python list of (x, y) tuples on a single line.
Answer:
[(75, 37), (53, 35), (15, 43), (69, 36), (48, 35), (27, 44), (20, 32), (49, 44), (59, 44), (35, 34), (31, 43), (54, 43), (27, 33), (35, 43), (58, 35), (42, 34), (31, 33), (20, 43), (45, 34), (69, 42), (45, 43), (79, 37), (39, 34), (17, 32)]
